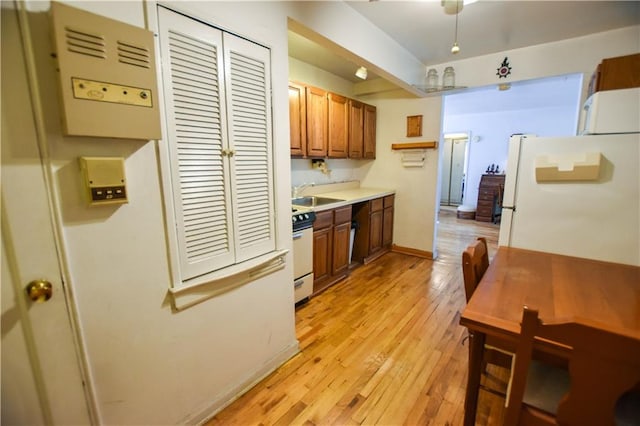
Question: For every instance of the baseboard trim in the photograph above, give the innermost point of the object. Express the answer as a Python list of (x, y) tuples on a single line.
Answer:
[(230, 395), (412, 252)]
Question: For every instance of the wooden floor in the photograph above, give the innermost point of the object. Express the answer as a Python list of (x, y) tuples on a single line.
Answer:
[(382, 347)]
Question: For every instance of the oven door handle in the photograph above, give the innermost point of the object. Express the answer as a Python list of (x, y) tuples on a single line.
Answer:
[(297, 235)]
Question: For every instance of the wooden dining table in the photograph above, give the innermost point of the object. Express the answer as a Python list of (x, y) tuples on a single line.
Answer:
[(561, 287)]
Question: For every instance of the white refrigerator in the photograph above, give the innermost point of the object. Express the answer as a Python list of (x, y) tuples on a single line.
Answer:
[(577, 196)]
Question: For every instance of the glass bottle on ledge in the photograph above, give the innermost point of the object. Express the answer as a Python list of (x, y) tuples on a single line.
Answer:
[(432, 80), (449, 78)]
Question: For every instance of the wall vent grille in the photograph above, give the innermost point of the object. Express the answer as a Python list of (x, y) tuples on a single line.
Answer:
[(133, 55), (85, 43)]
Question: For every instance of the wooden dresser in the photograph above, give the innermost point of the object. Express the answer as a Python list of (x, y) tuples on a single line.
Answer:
[(490, 198)]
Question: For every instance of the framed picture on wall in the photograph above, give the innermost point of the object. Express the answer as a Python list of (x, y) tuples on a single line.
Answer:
[(414, 126)]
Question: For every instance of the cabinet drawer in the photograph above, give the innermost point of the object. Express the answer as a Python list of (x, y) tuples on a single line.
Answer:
[(342, 215), (485, 194), (323, 219), (484, 211), (375, 205), (389, 200)]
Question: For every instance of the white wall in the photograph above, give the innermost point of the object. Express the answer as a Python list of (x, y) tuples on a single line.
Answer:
[(148, 364), (314, 76), (415, 210)]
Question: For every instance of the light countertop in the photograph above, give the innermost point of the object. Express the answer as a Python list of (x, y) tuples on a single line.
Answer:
[(351, 196)]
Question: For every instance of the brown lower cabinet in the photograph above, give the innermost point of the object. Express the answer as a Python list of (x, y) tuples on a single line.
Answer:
[(374, 235), (331, 240)]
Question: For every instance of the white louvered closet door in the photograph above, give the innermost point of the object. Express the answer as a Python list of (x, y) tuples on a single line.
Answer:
[(192, 68), (248, 88)]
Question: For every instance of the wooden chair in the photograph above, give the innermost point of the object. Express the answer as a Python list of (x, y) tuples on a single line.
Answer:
[(475, 261), (601, 387)]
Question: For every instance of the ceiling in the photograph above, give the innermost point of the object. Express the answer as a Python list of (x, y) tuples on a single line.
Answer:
[(484, 27)]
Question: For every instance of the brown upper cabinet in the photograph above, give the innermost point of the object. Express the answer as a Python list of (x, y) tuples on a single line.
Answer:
[(338, 123), (369, 129), (356, 129), (298, 119), (325, 124), (621, 72), (316, 122)]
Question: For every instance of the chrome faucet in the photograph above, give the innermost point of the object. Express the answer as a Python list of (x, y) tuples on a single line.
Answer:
[(298, 189)]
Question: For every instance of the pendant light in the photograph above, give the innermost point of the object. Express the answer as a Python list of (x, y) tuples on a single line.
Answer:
[(455, 48), (361, 73)]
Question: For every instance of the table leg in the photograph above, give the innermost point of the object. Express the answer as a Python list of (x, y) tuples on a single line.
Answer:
[(476, 350)]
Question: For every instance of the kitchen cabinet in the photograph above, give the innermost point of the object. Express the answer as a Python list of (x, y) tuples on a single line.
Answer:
[(621, 72), (328, 125), (375, 228), (387, 221), (316, 122), (489, 198), (356, 129), (331, 241), (369, 130), (298, 119), (362, 130), (338, 125)]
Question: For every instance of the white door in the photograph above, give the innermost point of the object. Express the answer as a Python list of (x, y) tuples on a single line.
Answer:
[(41, 375), (453, 168)]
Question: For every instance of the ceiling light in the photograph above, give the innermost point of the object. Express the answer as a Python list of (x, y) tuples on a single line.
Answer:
[(361, 73), (452, 7)]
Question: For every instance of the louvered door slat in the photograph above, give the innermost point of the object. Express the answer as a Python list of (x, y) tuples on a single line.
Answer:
[(191, 55)]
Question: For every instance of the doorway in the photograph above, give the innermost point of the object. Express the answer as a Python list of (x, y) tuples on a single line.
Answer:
[(454, 165)]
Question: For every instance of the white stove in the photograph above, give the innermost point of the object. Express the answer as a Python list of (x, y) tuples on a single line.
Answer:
[(302, 223)]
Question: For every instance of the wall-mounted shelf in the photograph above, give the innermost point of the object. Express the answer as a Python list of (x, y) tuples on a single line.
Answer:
[(439, 90), (415, 145)]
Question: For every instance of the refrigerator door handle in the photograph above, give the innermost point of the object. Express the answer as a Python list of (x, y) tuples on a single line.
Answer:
[(509, 208)]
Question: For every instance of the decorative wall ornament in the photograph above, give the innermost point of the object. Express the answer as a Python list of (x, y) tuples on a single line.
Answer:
[(504, 69)]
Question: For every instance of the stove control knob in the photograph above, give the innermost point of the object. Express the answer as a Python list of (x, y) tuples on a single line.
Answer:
[(306, 216), (294, 219)]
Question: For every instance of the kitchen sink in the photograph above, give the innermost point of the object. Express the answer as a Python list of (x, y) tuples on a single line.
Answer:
[(313, 201)]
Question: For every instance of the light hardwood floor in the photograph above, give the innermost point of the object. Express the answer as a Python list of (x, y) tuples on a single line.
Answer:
[(382, 347)]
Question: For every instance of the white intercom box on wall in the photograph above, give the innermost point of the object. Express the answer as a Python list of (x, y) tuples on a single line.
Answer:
[(104, 180), (107, 76)]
